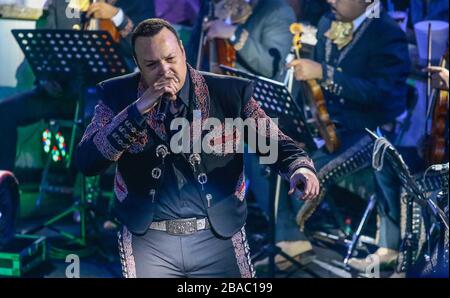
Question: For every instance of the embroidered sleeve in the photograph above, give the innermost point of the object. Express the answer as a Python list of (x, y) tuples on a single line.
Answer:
[(290, 157), (305, 162), (102, 116), (253, 110), (113, 134)]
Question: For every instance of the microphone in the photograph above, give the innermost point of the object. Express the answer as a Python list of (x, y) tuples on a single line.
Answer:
[(163, 108)]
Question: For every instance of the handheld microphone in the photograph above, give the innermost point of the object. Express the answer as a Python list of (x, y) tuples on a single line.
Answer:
[(163, 108)]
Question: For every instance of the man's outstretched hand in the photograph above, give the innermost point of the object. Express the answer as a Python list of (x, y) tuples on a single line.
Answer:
[(307, 181)]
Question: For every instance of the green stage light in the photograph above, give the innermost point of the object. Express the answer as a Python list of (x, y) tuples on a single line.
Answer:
[(46, 140), (55, 145)]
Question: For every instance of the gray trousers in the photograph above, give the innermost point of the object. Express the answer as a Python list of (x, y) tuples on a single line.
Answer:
[(157, 254)]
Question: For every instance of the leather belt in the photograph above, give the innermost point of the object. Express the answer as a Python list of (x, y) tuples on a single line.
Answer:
[(184, 226)]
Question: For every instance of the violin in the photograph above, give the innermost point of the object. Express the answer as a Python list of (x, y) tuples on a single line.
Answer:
[(314, 95), (436, 143), (221, 51), (93, 24)]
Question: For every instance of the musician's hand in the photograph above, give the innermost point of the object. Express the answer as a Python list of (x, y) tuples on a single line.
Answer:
[(308, 181), (102, 10), (218, 29), (306, 69), (439, 78), (166, 84)]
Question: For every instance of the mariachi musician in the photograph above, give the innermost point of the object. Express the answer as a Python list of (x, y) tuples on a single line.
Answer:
[(361, 63), (257, 30), (56, 98)]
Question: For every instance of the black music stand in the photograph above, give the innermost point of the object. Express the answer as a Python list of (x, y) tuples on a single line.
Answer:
[(277, 102), (66, 55)]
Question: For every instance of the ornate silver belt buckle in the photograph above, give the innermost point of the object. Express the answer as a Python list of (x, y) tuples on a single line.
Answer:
[(181, 226)]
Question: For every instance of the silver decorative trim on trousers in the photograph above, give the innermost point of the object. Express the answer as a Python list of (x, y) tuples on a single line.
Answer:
[(242, 252), (126, 253)]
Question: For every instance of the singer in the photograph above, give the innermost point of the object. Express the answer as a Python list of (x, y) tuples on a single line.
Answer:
[(182, 215)]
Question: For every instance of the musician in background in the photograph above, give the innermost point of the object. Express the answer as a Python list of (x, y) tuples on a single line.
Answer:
[(361, 63), (50, 99), (261, 39)]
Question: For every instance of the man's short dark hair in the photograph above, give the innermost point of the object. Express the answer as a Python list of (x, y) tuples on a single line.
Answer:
[(149, 28)]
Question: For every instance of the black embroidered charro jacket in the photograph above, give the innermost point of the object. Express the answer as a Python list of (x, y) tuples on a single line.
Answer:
[(115, 135)]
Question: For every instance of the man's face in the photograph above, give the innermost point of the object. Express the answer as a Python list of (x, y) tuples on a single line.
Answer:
[(159, 56), (348, 10)]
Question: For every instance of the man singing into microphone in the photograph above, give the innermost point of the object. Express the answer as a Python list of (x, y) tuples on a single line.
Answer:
[(182, 214)]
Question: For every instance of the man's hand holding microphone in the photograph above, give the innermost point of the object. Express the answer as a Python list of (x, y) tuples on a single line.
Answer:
[(164, 89)]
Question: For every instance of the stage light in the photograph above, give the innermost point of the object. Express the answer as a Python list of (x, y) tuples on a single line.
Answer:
[(54, 144)]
